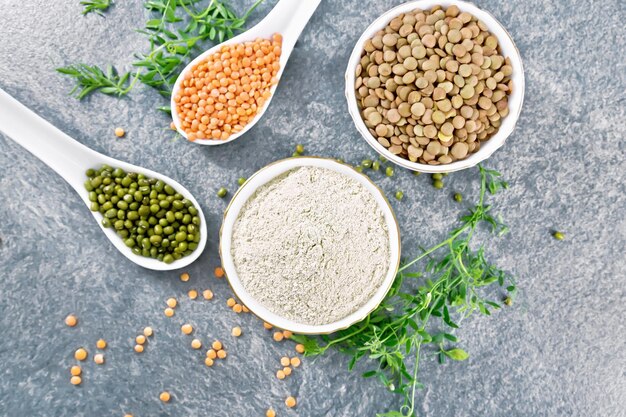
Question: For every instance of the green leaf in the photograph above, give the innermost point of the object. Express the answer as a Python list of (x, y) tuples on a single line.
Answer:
[(456, 354)]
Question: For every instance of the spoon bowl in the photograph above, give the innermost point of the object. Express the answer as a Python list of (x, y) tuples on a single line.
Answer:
[(288, 17), (70, 159)]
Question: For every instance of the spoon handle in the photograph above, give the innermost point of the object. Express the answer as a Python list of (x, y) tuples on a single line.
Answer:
[(56, 149), (289, 17)]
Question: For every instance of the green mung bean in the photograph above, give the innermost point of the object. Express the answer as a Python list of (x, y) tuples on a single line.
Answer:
[(144, 212)]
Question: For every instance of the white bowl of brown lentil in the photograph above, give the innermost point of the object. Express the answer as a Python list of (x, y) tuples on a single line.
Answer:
[(485, 148)]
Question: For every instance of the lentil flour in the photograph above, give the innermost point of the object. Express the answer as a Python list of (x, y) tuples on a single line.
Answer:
[(311, 245)]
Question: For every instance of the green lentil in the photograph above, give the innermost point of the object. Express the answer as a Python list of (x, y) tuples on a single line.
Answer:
[(241, 180), (438, 184), (221, 193), (399, 195), (389, 171), (366, 163), (144, 212), (375, 165), (417, 173), (458, 197), (436, 176), (558, 235), (299, 149)]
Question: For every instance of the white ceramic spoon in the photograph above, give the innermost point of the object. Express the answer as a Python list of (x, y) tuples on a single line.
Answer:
[(70, 159), (288, 17)]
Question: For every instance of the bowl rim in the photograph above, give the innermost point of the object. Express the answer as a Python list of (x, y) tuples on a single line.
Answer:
[(274, 319), (515, 102)]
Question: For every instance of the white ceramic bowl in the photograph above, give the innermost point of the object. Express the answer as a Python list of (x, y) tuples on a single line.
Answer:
[(262, 177), (515, 99)]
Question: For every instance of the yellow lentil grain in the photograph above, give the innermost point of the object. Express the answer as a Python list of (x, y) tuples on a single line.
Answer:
[(169, 312), (231, 302), (278, 336), (217, 345), (295, 362), (287, 334), (219, 272), (207, 294), (196, 344), (101, 344), (186, 328), (287, 370), (280, 374), (119, 132), (211, 353), (236, 331), (237, 308), (270, 413), (239, 75), (76, 380), (80, 354), (193, 294), (171, 302), (71, 320), (98, 358), (147, 331), (222, 354), (290, 402), (75, 370), (284, 361), (184, 277), (139, 348), (208, 362), (300, 348), (267, 326), (140, 339), (164, 396)]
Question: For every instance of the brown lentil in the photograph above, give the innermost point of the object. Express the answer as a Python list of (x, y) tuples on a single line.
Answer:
[(432, 90)]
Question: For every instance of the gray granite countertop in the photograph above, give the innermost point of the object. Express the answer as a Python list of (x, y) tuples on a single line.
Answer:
[(559, 351)]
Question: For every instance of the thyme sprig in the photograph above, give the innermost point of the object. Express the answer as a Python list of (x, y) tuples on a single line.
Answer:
[(176, 32), (96, 6), (92, 78), (421, 304)]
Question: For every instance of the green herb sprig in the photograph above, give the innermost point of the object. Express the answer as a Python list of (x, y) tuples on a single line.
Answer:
[(92, 78), (176, 32), (96, 6), (420, 303)]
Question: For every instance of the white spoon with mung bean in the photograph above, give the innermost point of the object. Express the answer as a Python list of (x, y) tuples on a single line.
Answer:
[(74, 161)]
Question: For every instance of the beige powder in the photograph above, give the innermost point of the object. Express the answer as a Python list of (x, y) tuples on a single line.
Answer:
[(311, 245)]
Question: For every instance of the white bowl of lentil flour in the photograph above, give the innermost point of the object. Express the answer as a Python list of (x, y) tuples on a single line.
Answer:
[(310, 245), (445, 118)]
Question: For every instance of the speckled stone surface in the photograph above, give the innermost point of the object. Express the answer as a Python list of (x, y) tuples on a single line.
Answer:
[(559, 351)]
